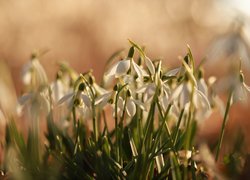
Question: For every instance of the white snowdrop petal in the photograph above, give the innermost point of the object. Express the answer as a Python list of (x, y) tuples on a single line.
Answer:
[(128, 79), (99, 89), (26, 73), (138, 70), (26, 78), (140, 104), (203, 98), (111, 72), (131, 108), (122, 68), (246, 87), (165, 102), (184, 96), (176, 92), (86, 100), (173, 72), (166, 88), (41, 75), (103, 99), (150, 65), (65, 98), (57, 89), (201, 84), (120, 104), (141, 89), (211, 80)]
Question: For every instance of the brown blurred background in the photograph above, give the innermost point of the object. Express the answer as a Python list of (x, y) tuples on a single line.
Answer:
[(86, 32)]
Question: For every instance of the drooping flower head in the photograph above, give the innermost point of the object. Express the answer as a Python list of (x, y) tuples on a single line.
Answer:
[(33, 74)]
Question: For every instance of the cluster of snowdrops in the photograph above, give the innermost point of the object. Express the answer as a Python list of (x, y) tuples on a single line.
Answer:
[(155, 111)]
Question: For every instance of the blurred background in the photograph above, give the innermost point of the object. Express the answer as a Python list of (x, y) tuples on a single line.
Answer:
[(85, 33)]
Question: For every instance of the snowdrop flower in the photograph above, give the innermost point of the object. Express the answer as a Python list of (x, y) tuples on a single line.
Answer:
[(58, 89), (241, 89), (38, 101), (231, 46), (204, 110), (187, 66), (123, 67), (214, 99), (106, 97), (150, 65), (183, 95), (33, 74), (201, 84), (130, 105), (77, 98), (155, 83)]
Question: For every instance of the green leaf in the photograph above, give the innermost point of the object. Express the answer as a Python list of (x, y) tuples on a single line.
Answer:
[(175, 169)]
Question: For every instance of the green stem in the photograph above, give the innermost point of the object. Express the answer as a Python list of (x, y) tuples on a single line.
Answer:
[(223, 125), (116, 127), (74, 117), (166, 124), (116, 122), (178, 126)]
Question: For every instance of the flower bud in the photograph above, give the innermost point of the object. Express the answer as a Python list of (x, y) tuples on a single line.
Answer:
[(81, 87), (115, 88), (128, 93), (131, 52), (91, 80)]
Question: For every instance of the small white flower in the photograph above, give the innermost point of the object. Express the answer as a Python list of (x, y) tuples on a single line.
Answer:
[(203, 109), (37, 101), (173, 72), (241, 90), (33, 74), (150, 65), (182, 94), (155, 83), (58, 90), (130, 106), (122, 67), (103, 99), (76, 98), (202, 86)]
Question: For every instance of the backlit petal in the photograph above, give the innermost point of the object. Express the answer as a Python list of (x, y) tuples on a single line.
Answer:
[(122, 68), (150, 65), (131, 108)]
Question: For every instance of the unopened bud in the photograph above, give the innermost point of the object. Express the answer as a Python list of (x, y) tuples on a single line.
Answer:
[(128, 93), (76, 102), (110, 101), (186, 59), (91, 80), (145, 79), (115, 88), (200, 74), (131, 52), (81, 87)]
